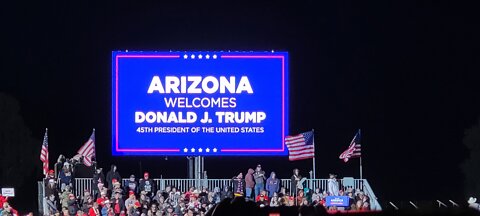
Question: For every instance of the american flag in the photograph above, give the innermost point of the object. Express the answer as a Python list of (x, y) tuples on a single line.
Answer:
[(354, 149), (88, 150), (300, 146), (44, 153)]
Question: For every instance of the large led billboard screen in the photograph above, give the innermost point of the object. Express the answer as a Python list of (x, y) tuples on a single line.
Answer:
[(199, 103)]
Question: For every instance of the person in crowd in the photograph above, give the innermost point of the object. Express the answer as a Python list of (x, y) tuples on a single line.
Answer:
[(51, 188), (226, 193), (3, 199), (64, 197), (304, 202), (204, 193), (265, 195), (249, 183), (472, 203), (94, 210), (50, 175), (117, 188), (107, 209), (317, 196), (158, 197), (189, 193), (238, 185), (273, 184), (180, 208), (217, 195), (72, 205), (131, 204), (88, 204), (118, 204), (359, 204), (169, 211), (132, 185), (65, 176), (147, 184), (294, 183), (86, 195), (300, 197), (144, 199), (167, 191), (98, 178), (259, 177), (103, 197), (333, 185), (51, 205), (100, 188), (282, 191), (209, 199), (193, 203), (59, 165), (153, 211), (274, 200), (8, 210), (365, 206), (262, 202), (112, 174)]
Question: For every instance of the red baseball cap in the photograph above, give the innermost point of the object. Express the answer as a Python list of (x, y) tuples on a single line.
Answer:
[(51, 172), (131, 193)]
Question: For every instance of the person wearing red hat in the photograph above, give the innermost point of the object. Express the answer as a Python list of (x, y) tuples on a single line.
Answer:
[(131, 202), (147, 184)]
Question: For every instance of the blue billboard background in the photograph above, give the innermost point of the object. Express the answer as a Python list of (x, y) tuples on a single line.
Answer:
[(132, 75)]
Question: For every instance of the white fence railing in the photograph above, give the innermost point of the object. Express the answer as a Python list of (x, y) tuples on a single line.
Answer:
[(82, 184)]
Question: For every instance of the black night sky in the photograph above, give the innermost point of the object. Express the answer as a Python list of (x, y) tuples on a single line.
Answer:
[(406, 73)]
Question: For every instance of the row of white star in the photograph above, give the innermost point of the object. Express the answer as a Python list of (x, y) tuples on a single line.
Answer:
[(200, 56), (199, 150)]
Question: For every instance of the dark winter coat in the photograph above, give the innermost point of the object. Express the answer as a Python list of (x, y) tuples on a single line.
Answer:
[(149, 188), (111, 174)]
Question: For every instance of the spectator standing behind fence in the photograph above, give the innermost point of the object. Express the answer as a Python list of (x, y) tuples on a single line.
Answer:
[(249, 183), (332, 185), (273, 184), (98, 177), (147, 185), (259, 177), (296, 177), (65, 176), (132, 184), (238, 184), (112, 174)]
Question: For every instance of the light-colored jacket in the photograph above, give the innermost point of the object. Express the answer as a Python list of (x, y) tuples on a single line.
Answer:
[(332, 187)]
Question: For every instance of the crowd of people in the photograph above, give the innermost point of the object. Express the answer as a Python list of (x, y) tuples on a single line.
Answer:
[(140, 196)]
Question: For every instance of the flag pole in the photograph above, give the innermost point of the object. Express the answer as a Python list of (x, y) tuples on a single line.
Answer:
[(95, 153), (313, 134), (361, 168), (361, 174)]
